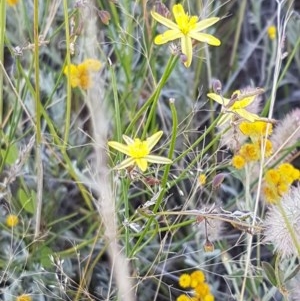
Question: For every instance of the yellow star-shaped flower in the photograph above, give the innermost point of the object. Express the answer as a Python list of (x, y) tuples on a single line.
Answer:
[(185, 28), (236, 105), (139, 152)]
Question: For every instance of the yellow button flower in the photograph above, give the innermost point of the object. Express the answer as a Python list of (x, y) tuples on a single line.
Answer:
[(185, 28), (238, 162), (80, 75), (139, 152), (185, 280), (12, 220), (272, 32)]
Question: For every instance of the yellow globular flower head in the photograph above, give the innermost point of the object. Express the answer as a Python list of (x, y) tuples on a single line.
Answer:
[(209, 297), (246, 128), (183, 298), (12, 2), (202, 289), (272, 32), (270, 194), (278, 181), (202, 179), (139, 152), (288, 172), (282, 188), (197, 277), (186, 28), (268, 148), (12, 220), (255, 130), (265, 145), (272, 176), (24, 297), (80, 75), (185, 280), (238, 162), (250, 152)]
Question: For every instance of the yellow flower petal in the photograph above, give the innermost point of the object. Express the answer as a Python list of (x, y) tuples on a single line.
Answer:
[(119, 147), (127, 139), (187, 49), (178, 13), (243, 103), (167, 36), (218, 99), (142, 163), (158, 159), (168, 23), (206, 38), (125, 163), (152, 140), (203, 24), (246, 115)]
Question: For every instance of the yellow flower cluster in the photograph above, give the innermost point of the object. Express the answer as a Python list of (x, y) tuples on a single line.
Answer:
[(251, 152), (80, 75), (256, 130), (278, 181), (196, 281)]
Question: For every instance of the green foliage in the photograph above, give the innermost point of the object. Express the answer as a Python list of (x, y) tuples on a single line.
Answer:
[(77, 75)]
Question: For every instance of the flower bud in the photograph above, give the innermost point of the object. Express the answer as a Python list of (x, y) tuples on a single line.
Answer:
[(208, 246), (217, 86), (104, 16), (218, 180)]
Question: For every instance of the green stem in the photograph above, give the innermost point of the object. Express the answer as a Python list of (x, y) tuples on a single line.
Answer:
[(238, 31), (154, 97), (117, 105), (68, 61)]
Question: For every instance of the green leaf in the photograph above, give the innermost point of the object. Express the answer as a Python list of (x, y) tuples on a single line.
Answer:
[(44, 257), (293, 273), (10, 155), (27, 202), (270, 273)]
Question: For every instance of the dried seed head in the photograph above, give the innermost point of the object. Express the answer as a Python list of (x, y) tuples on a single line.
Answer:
[(276, 229)]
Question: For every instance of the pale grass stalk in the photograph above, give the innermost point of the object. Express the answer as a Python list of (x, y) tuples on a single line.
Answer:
[(38, 158), (2, 37), (106, 203), (279, 56)]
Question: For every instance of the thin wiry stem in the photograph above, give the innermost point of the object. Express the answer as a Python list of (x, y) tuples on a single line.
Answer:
[(39, 163)]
